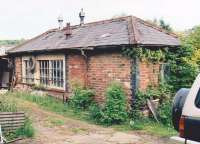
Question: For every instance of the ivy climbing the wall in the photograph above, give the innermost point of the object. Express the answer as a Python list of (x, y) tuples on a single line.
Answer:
[(146, 54), (181, 67)]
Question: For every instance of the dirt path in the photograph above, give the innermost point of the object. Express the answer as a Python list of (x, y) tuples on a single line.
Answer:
[(52, 128)]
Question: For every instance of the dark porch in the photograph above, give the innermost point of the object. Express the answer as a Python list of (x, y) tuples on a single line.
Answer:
[(4, 73)]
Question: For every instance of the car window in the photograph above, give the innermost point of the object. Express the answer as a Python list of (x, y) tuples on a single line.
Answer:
[(197, 100)]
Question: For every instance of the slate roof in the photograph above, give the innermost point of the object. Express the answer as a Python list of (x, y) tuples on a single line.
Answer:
[(114, 32)]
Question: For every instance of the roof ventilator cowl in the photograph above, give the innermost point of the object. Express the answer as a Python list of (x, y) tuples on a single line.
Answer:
[(82, 17)]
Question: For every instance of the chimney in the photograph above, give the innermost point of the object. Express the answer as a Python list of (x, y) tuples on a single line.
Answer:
[(82, 16), (68, 30), (60, 22)]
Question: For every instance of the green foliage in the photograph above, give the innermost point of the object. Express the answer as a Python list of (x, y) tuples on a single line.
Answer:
[(164, 94), (182, 70), (10, 105), (161, 23), (115, 109), (136, 125), (45, 101), (164, 25), (10, 42), (82, 98), (96, 112), (39, 87), (142, 53), (58, 107), (7, 105), (55, 121), (165, 112), (182, 62), (26, 130), (194, 37), (50, 103)]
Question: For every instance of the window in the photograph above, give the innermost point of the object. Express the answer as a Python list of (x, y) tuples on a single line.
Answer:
[(197, 100), (44, 72), (51, 73), (28, 74)]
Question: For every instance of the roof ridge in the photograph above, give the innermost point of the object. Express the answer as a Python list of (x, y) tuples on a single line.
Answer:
[(103, 21), (131, 34), (135, 30)]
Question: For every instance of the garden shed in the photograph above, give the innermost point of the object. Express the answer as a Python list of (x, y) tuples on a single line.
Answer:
[(91, 54)]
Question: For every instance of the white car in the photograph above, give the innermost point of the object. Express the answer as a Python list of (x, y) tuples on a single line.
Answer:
[(186, 112)]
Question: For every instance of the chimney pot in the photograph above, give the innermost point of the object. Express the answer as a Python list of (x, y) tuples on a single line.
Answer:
[(68, 30)]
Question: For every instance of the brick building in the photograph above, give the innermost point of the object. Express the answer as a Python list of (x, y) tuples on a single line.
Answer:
[(90, 54)]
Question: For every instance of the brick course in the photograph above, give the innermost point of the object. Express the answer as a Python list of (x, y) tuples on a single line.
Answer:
[(76, 70), (149, 74)]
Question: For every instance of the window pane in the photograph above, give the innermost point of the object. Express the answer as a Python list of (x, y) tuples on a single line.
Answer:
[(51, 73)]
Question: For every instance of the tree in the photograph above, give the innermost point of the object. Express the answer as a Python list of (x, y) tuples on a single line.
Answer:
[(11, 42), (194, 40), (185, 61), (161, 23)]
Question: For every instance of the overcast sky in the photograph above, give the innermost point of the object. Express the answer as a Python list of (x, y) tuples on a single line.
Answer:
[(28, 18)]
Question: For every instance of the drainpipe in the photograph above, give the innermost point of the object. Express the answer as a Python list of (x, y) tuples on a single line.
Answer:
[(86, 61), (135, 80)]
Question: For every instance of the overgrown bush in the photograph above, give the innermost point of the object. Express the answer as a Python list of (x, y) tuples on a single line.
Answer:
[(96, 112), (115, 109), (162, 92), (165, 113), (26, 130), (82, 98)]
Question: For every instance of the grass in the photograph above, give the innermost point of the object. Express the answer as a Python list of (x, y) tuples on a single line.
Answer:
[(53, 122), (78, 130), (51, 104), (54, 105), (26, 131), (7, 104), (148, 126)]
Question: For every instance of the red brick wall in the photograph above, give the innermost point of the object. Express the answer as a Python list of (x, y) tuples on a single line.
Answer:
[(105, 68), (18, 69), (100, 69), (76, 70), (149, 74)]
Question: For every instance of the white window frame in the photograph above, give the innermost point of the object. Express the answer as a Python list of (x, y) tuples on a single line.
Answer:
[(36, 75), (52, 73), (51, 58)]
